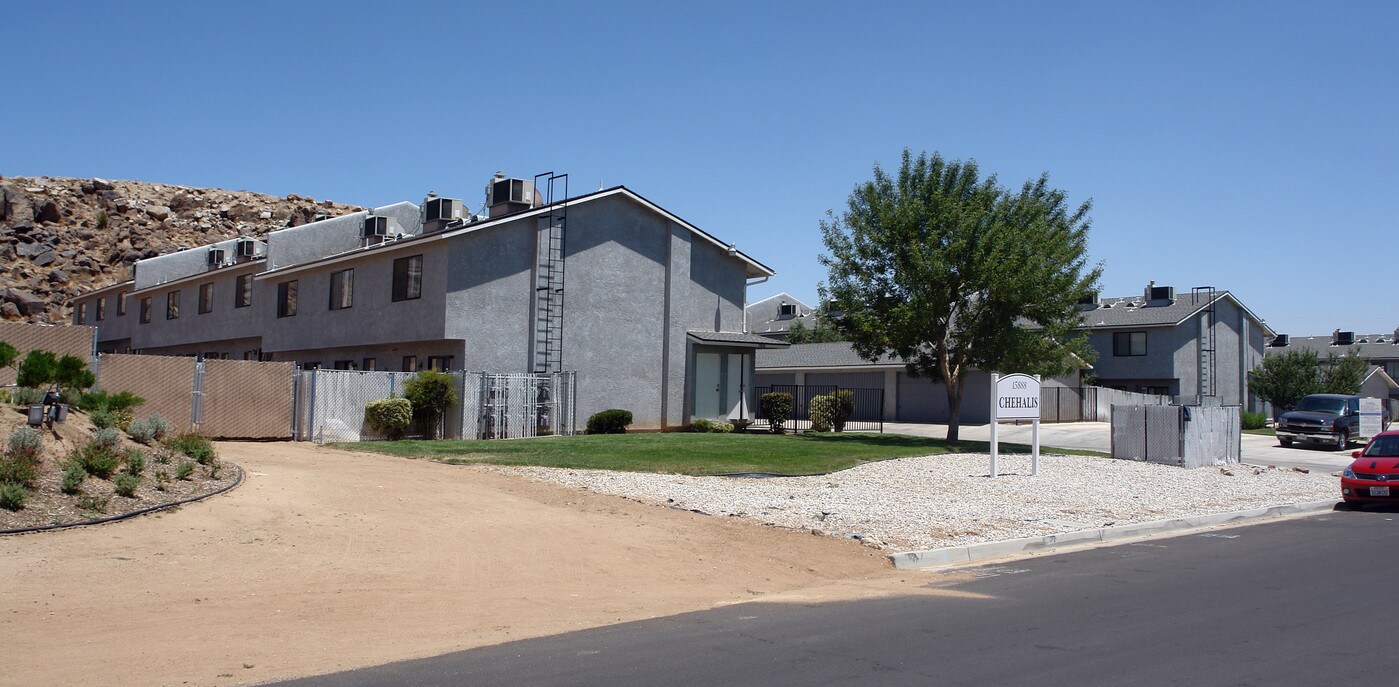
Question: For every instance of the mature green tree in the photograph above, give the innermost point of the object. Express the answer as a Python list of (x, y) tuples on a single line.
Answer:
[(820, 332), (1282, 379), (952, 272), (1343, 374)]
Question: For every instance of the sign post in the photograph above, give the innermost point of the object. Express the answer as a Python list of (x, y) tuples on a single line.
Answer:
[(1015, 397)]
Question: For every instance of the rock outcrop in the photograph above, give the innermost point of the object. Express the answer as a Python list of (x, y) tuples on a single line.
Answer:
[(60, 237)]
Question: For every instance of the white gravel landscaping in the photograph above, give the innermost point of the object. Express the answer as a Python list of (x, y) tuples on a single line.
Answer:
[(937, 501)]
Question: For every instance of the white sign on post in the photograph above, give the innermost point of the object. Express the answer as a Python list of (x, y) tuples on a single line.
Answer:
[(1371, 417), (1016, 397)]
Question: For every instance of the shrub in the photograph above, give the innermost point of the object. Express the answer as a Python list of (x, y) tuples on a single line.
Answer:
[(73, 477), (97, 461), (71, 373), (1253, 420), (195, 446), (822, 410), (389, 417), (107, 438), (214, 468), (5, 396), (12, 496), (94, 504), (38, 369), (185, 469), (26, 395), (8, 354), (161, 477), (844, 408), (777, 407), (610, 421), (102, 400), (700, 424), (19, 471), (135, 462), (25, 443), (126, 485), (430, 392), (148, 430)]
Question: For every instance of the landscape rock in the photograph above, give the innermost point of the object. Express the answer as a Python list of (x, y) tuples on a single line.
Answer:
[(47, 211), (101, 184), (158, 212), (45, 259), (27, 303)]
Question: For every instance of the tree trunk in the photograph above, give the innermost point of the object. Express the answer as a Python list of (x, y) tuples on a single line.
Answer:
[(954, 408)]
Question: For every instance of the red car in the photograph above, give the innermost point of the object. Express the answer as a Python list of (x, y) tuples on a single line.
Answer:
[(1373, 477)]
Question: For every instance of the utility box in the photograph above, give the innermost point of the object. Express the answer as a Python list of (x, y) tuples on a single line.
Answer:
[(36, 414)]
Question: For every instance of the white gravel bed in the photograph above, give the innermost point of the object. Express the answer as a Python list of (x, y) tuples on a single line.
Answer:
[(936, 501)]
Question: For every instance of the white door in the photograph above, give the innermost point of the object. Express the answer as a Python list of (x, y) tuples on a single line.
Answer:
[(737, 388), (708, 403)]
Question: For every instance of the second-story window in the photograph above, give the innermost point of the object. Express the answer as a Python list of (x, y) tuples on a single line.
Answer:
[(101, 309), (172, 305), (1128, 343), (243, 291), (121, 304), (286, 299), (146, 310), (82, 313), (408, 278), (342, 289), (206, 298)]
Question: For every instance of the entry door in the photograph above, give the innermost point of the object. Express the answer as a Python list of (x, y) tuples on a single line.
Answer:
[(739, 407), (708, 379)]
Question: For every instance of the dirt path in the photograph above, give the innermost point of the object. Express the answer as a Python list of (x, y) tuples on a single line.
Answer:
[(325, 560)]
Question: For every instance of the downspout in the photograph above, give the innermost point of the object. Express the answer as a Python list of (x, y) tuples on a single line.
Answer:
[(745, 301)]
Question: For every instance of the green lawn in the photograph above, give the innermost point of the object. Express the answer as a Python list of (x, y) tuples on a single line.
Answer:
[(691, 454), (1265, 431)]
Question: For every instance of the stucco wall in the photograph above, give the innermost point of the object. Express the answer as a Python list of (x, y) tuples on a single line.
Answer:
[(296, 245), (186, 263)]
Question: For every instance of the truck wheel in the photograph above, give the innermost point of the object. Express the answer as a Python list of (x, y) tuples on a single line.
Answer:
[(1286, 442), (1342, 440)]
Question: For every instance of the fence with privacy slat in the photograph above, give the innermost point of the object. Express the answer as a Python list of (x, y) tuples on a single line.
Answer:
[(59, 340), (227, 399)]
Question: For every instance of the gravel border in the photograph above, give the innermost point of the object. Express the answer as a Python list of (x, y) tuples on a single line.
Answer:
[(934, 502), (140, 511)]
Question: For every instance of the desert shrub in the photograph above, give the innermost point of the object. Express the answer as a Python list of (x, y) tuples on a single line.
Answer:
[(73, 477), (844, 408), (430, 392), (148, 430), (610, 421), (19, 471), (97, 461), (8, 354), (70, 372), (103, 219), (184, 470), (777, 407), (196, 446), (389, 417), (101, 399), (26, 395), (126, 485), (12, 496), (94, 504), (135, 462), (24, 442), (822, 410), (1253, 420), (5, 396), (161, 478), (109, 438), (214, 468), (37, 369)]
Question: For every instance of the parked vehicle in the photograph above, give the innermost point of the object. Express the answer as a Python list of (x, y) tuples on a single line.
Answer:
[(1331, 419), (1373, 477)]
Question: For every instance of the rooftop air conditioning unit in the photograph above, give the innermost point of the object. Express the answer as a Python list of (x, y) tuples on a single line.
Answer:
[(244, 249), (442, 209), (1344, 338), (216, 257), (1280, 341), (375, 227), (1089, 302), (1162, 293)]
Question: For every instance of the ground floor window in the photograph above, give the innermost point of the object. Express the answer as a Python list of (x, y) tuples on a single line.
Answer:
[(344, 364), (370, 364), (441, 363), (410, 363)]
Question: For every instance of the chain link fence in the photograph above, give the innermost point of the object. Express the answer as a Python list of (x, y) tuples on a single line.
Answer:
[(1089, 403), (1184, 436)]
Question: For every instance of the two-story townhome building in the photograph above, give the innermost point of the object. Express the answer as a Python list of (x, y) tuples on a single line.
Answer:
[(646, 308)]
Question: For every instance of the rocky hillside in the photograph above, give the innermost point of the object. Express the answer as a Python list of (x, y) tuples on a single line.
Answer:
[(60, 237)]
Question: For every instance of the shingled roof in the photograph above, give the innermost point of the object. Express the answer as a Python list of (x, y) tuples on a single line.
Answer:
[(1135, 311), (1372, 346), (832, 354)]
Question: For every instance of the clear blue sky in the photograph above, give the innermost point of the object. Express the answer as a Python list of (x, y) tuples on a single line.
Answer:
[(1248, 146)]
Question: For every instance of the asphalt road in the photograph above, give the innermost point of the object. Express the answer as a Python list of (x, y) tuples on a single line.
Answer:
[(1295, 602)]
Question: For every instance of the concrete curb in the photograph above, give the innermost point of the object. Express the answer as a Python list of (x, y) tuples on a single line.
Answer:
[(1011, 547)]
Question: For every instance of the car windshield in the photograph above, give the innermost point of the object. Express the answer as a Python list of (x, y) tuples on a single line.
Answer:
[(1335, 406), (1383, 447)]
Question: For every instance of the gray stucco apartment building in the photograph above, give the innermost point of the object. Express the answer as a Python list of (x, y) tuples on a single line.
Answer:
[(646, 308)]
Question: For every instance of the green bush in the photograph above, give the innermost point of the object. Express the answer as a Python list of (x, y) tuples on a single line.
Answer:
[(37, 369), (1253, 420), (700, 424), (135, 462), (148, 430), (12, 496), (823, 411), (5, 396), (844, 408), (777, 408), (26, 395), (185, 469), (94, 504), (97, 461), (389, 417), (73, 477), (102, 400), (25, 442), (107, 438), (71, 373), (430, 392), (195, 446), (610, 421), (126, 485), (19, 471), (8, 354)]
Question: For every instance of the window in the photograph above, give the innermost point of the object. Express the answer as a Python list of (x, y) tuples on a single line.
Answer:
[(408, 278), (286, 299), (121, 304), (243, 291), (344, 364), (342, 289), (172, 305), (1157, 390), (82, 313), (311, 366), (206, 298), (1128, 343), (146, 310), (250, 355), (441, 363), (370, 364), (211, 355), (101, 309), (410, 363)]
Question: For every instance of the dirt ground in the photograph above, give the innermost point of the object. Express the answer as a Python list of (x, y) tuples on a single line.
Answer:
[(325, 560)]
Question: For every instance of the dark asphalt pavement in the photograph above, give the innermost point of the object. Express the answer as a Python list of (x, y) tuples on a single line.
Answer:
[(1307, 601)]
